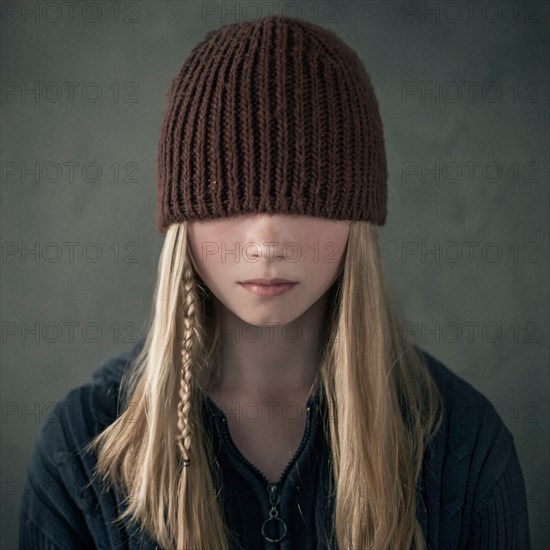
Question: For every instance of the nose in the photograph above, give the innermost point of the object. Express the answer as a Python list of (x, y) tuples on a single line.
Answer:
[(268, 240), (268, 250)]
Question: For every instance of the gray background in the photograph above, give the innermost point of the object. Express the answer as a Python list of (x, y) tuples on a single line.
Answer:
[(499, 46)]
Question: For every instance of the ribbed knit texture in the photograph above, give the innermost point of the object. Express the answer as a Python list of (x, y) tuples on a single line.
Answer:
[(471, 492), (277, 115)]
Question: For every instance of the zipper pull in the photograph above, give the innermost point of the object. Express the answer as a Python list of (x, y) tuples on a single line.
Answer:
[(273, 490)]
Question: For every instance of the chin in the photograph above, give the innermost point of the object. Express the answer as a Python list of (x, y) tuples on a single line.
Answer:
[(275, 319)]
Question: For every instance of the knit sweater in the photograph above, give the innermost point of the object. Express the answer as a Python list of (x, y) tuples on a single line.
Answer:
[(470, 495)]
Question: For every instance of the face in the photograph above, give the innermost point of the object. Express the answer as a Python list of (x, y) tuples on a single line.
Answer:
[(306, 250)]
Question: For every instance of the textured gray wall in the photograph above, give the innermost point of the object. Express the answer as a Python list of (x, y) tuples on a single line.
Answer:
[(466, 247)]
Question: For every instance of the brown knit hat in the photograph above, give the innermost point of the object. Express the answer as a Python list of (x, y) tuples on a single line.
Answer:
[(276, 115)]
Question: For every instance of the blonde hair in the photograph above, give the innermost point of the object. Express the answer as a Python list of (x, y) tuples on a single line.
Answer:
[(384, 409)]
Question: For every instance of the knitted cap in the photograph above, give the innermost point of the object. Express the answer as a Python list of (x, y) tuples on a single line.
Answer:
[(276, 115)]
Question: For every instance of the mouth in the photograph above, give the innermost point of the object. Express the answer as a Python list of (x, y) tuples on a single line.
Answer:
[(268, 287), (268, 282)]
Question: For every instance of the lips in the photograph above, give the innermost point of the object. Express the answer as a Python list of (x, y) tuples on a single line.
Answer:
[(268, 287), (268, 282)]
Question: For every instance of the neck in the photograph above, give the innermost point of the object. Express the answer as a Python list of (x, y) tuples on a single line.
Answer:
[(270, 362)]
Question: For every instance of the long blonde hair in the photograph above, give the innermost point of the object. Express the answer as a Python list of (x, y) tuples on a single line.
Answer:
[(384, 409)]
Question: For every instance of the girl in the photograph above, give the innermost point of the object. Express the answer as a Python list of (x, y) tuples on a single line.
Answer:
[(275, 401)]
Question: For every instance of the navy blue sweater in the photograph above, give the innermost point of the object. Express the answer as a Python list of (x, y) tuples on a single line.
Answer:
[(471, 493)]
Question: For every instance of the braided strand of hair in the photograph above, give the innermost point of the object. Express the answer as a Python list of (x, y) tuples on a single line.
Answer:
[(184, 429)]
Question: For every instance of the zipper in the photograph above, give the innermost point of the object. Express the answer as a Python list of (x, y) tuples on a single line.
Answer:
[(274, 519), (273, 489), (235, 451)]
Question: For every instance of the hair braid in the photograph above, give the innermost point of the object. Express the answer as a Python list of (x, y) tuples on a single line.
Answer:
[(184, 430)]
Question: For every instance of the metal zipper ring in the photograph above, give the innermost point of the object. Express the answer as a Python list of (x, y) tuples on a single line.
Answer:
[(283, 526)]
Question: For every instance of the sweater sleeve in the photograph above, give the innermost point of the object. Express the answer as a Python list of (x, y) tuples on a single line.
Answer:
[(51, 515), (501, 518), (31, 537)]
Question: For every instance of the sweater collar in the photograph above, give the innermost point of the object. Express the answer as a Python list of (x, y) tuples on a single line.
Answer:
[(215, 411)]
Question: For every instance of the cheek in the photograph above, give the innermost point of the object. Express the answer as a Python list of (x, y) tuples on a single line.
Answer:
[(210, 268), (205, 245), (319, 275), (328, 276), (196, 247), (327, 254)]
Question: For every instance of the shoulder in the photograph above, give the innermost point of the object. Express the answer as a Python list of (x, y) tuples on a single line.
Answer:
[(60, 500), (472, 426), (473, 468), (464, 401), (452, 386), (87, 409)]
